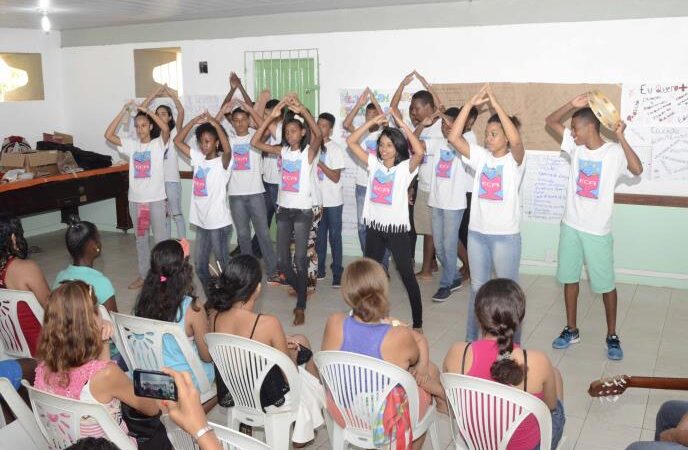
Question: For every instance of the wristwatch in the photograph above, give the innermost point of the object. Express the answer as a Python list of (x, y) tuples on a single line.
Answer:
[(199, 434)]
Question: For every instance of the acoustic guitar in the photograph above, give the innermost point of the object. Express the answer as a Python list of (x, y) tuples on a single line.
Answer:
[(617, 385)]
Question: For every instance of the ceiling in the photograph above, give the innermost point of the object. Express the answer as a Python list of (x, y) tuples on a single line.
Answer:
[(77, 14)]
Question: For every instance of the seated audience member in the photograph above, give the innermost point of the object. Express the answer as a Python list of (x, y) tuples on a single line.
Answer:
[(84, 246), (370, 331), (500, 306), (91, 443), (168, 295), (16, 370), (671, 428), (19, 273), (75, 362), (232, 302)]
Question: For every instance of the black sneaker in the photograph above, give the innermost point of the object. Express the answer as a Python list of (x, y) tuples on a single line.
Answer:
[(441, 295), (456, 285), (336, 284)]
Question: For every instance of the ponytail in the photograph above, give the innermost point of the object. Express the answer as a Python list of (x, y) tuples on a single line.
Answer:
[(500, 308), (235, 284)]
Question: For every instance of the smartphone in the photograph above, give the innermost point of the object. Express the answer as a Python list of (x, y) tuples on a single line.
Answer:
[(154, 384)]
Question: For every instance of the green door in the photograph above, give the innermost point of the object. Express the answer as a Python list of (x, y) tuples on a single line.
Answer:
[(288, 75)]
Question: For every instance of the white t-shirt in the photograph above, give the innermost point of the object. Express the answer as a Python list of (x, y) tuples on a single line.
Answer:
[(332, 193), (594, 173), (296, 180), (470, 173), (271, 164), (433, 138), (386, 202), (247, 166), (495, 207), (209, 207), (447, 185), (170, 162), (369, 144), (146, 177)]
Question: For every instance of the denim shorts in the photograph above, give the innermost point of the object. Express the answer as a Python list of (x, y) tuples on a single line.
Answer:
[(558, 422)]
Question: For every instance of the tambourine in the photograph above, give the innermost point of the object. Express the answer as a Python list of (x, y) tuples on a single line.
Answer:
[(604, 109)]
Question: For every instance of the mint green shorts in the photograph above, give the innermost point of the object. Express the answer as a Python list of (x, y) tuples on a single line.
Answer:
[(577, 247)]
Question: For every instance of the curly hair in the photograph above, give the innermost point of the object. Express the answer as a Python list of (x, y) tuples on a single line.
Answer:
[(71, 333), (167, 283), (365, 289), (11, 225)]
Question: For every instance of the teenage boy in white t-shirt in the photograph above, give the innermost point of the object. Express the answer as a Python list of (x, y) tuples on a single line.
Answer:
[(586, 235), (328, 181), (372, 110)]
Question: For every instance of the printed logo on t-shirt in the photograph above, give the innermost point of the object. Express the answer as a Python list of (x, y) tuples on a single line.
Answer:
[(142, 164), (291, 175), (241, 157), (371, 146), (321, 174), (589, 174), (200, 187), (383, 188), (444, 165), (491, 183)]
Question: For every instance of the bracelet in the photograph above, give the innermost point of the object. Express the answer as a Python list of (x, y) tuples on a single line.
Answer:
[(199, 434)]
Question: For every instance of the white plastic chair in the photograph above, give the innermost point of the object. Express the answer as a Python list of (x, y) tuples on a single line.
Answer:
[(23, 433), (12, 341), (181, 440), (488, 413), (59, 419), (105, 315), (358, 385), (243, 365), (141, 341)]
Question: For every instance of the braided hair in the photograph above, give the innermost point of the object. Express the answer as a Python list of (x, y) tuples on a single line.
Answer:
[(500, 306), (168, 281)]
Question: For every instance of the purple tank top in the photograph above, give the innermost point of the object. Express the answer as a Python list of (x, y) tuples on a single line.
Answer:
[(364, 338)]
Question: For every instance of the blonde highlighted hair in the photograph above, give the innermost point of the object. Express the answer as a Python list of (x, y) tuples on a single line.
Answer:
[(71, 334), (365, 289)]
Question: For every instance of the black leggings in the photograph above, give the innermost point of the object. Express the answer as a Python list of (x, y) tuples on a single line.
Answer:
[(400, 246), (463, 229)]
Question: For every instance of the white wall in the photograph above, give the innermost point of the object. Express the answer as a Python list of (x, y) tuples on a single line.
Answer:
[(29, 119)]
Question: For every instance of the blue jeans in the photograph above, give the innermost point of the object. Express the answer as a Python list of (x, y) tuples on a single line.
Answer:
[(270, 195), (247, 210), (330, 224), (360, 200), (669, 416), (207, 240), (501, 252), (174, 208), (445, 235)]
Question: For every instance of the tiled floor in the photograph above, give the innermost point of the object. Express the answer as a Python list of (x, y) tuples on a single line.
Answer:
[(651, 324)]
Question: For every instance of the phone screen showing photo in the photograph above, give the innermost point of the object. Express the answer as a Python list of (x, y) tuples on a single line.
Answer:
[(153, 384)]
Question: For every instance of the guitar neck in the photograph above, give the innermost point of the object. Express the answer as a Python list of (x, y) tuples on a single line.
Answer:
[(659, 383)]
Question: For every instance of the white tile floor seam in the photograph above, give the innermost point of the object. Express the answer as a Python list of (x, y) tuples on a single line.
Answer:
[(650, 323)]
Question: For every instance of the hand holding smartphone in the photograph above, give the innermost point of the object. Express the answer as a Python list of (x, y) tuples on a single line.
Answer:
[(154, 384)]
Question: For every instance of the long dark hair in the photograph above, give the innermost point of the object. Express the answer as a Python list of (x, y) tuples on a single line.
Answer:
[(500, 306), (167, 283), (236, 284), (290, 116), (79, 233), (398, 140), (155, 132), (11, 225)]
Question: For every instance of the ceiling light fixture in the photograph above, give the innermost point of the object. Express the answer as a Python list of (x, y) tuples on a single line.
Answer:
[(43, 6), (45, 23)]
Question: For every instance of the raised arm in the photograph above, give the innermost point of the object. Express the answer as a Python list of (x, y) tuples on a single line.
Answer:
[(553, 121), (164, 127), (426, 123), (154, 93), (257, 118), (178, 105), (180, 139), (455, 137), (394, 105), (258, 139), (510, 130), (348, 123), (375, 103), (111, 131), (235, 83), (417, 147), (224, 141), (316, 134), (635, 166), (354, 139), (428, 87), (263, 99)]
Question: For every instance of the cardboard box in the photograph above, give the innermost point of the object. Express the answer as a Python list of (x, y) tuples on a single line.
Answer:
[(41, 164), (58, 138)]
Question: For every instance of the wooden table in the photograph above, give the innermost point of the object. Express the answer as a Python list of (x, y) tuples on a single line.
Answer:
[(66, 192)]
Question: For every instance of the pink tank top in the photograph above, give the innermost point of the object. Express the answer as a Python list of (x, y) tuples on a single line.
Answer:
[(485, 352)]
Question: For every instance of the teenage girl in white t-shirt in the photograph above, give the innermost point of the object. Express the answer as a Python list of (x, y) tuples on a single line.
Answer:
[(208, 210), (294, 214), (494, 237), (386, 213), (146, 181)]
